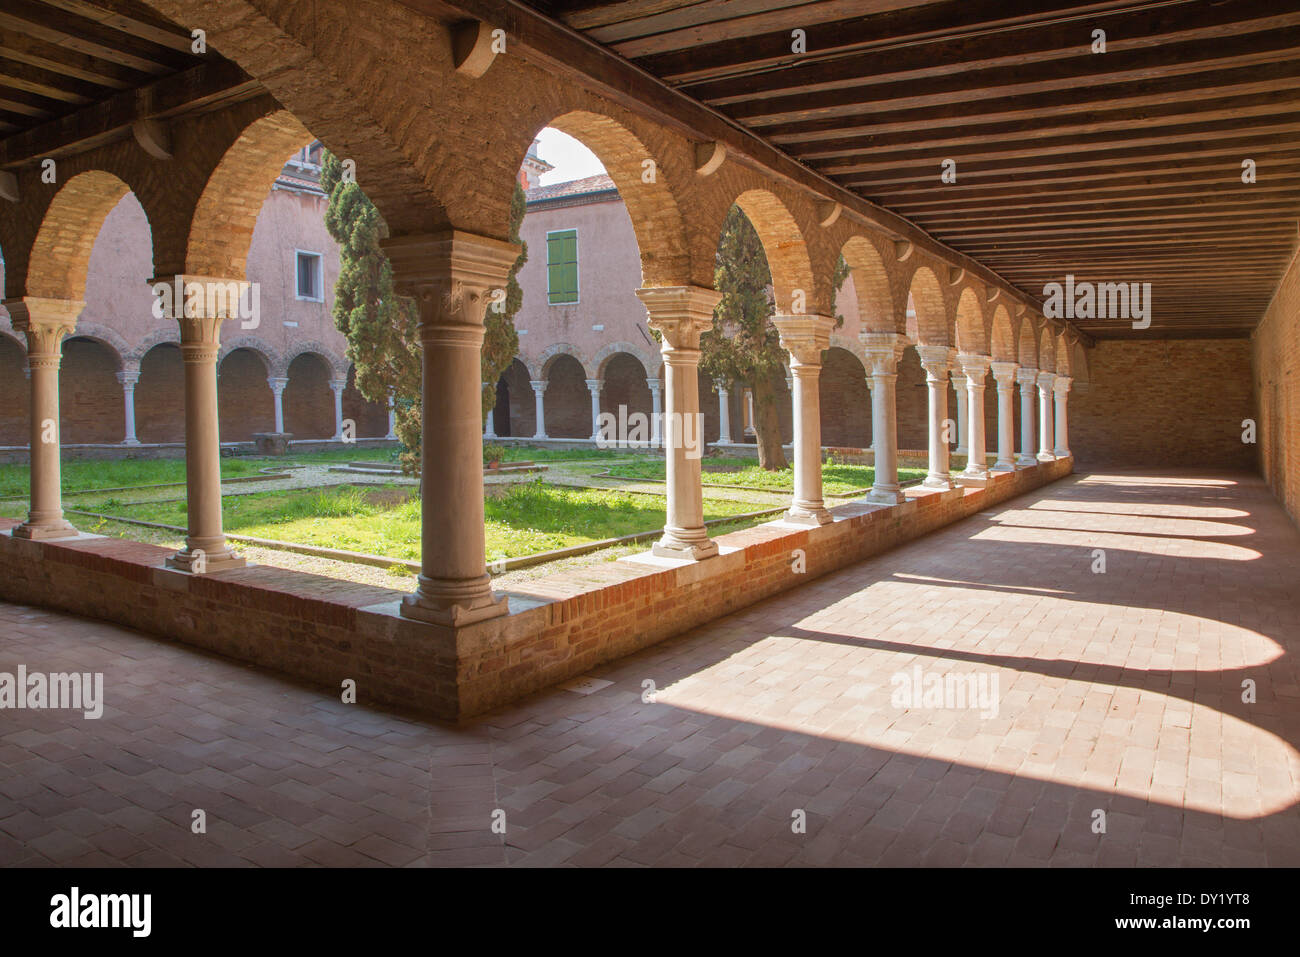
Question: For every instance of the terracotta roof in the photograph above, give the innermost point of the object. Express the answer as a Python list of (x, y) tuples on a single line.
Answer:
[(599, 183)]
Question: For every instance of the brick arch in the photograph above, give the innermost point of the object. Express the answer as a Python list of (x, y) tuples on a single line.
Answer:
[(601, 359), (337, 365), (652, 206), (871, 281), (159, 337), (1027, 343), (105, 336), (270, 358), (844, 399), (784, 245), (968, 323), (1002, 336), (930, 307), (1046, 349), (1063, 357), (567, 400), (221, 229), (59, 261), (542, 364)]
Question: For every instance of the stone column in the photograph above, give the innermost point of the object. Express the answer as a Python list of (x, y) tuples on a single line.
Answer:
[(451, 275), (1061, 386), (206, 549), (656, 413), (539, 397), (593, 386), (337, 386), (884, 349), (963, 418), (128, 378), (680, 314), (976, 368), (46, 322), (1004, 373), (1045, 443), (724, 411), (392, 415), (935, 360), (277, 384), (489, 427), (805, 337), (1026, 378), (871, 404)]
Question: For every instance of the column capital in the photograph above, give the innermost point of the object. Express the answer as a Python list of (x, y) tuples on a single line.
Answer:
[(277, 383), (539, 385), (1045, 379), (1061, 384), (1004, 372), (654, 384), (680, 313), (883, 349), (128, 377), (44, 321), (935, 360), (1026, 376), (721, 386), (805, 337), (595, 384), (975, 366), (338, 385), (450, 274)]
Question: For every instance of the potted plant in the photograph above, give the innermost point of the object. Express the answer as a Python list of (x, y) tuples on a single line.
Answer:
[(492, 455)]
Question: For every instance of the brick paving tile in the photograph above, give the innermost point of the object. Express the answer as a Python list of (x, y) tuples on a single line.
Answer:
[(1116, 692)]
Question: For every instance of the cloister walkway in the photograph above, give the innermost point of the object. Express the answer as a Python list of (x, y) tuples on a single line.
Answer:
[(1118, 691)]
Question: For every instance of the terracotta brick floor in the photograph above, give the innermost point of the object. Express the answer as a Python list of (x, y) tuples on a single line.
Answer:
[(1118, 692)]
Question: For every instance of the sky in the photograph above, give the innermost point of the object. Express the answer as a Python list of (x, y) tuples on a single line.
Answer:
[(570, 158)]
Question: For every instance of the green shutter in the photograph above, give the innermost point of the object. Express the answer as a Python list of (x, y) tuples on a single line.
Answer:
[(562, 266)]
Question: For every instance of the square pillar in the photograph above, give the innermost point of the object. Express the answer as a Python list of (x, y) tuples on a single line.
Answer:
[(451, 276), (1045, 443), (680, 314), (976, 368), (1026, 379), (883, 350), (1004, 373), (1061, 387), (935, 360), (200, 316), (805, 337), (46, 323)]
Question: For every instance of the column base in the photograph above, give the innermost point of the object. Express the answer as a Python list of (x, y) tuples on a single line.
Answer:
[(1004, 467), (187, 560), (1046, 457), (1061, 453), (130, 441), (1026, 461), (541, 437), (939, 483), (454, 602), (981, 480), (886, 496), (45, 531), (676, 545), (811, 515)]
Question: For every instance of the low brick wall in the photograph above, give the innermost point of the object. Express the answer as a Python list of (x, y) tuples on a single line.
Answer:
[(326, 631)]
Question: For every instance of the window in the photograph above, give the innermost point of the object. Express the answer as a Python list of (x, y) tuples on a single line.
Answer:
[(310, 285), (562, 266)]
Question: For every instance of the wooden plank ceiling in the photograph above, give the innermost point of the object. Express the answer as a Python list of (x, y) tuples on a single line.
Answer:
[(75, 73), (1122, 166)]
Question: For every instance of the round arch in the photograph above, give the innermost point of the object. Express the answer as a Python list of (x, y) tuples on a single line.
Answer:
[(785, 248), (929, 307), (968, 324), (1002, 336), (871, 282)]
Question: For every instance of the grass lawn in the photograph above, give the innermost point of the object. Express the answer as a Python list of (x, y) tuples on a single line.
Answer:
[(836, 479), (384, 520), (80, 475)]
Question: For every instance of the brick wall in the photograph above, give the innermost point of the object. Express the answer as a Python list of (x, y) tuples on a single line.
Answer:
[(91, 407), (1275, 348), (14, 393), (568, 400), (308, 400), (625, 385), (520, 404), (371, 417), (244, 399), (845, 402), (160, 396), (1170, 403)]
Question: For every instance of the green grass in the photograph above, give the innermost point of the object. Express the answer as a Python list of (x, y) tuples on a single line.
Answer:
[(82, 475), (524, 520), (836, 479)]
